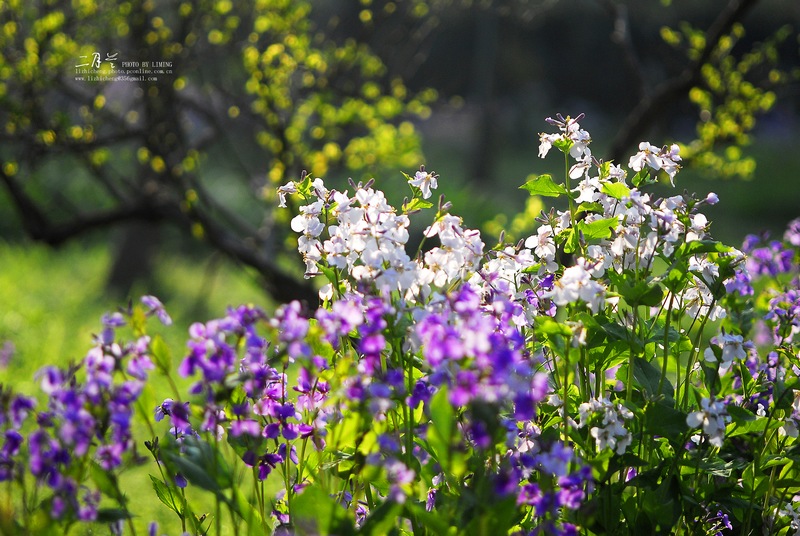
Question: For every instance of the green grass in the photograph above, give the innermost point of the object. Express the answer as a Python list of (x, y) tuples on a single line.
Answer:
[(52, 302)]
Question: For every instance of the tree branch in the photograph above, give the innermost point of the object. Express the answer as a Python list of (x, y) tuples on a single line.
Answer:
[(652, 106)]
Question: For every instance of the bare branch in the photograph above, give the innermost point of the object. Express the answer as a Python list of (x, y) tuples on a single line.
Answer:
[(622, 37), (652, 106)]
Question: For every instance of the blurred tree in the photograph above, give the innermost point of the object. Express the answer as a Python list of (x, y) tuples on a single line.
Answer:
[(648, 61), (240, 95), (254, 91)]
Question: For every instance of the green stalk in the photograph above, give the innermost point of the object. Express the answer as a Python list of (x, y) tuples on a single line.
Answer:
[(569, 190), (566, 393), (631, 356), (665, 358), (217, 506), (693, 355)]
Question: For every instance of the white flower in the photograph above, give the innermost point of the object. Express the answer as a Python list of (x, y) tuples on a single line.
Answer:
[(792, 511), (616, 172), (588, 190), (580, 141), (424, 180), (546, 142), (732, 348), (612, 417), (657, 159), (647, 156), (288, 188), (576, 284), (712, 418), (542, 243), (698, 228), (579, 169)]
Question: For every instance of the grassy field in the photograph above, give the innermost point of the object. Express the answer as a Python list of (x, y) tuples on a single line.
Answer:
[(52, 301)]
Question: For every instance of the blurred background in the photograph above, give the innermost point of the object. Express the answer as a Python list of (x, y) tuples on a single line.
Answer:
[(120, 179)]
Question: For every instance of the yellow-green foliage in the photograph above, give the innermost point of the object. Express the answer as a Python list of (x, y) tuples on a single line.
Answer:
[(733, 92), (316, 104)]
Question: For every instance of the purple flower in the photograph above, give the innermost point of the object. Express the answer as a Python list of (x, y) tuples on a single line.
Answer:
[(6, 353), (109, 456), (245, 427), (155, 307), (180, 480), (792, 234), (430, 500)]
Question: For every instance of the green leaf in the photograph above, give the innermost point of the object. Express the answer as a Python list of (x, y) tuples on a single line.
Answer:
[(617, 190), (744, 422), (598, 229), (110, 515), (104, 480), (665, 421), (544, 325), (642, 178), (570, 240), (563, 144), (740, 415), (678, 277), (328, 272), (646, 293), (201, 464), (704, 246), (245, 443), (162, 356), (382, 519), (616, 331), (164, 494), (441, 435), (784, 393), (433, 521), (315, 512), (648, 377), (588, 208), (543, 185), (416, 204), (252, 517)]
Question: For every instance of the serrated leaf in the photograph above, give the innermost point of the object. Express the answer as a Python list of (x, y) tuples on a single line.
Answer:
[(642, 293), (544, 325), (543, 185), (642, 178), (164, 495), (252, 517), (704, 246), (740, 415), (588, 208), (570, 238), (433, 521), (598, 229), (416, 204), (617, 190), (441, 435), (442, 422)]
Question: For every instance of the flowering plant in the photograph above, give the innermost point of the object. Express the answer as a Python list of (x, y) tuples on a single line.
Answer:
[(615, 373)]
